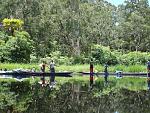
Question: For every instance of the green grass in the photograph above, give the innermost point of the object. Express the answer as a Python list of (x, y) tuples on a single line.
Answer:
[(131, 68), (78, 68), (11, 66)]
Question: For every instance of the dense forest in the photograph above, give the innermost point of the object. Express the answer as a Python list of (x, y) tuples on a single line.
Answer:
[(74, 31)]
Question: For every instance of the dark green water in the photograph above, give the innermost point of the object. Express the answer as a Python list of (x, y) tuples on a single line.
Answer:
[(71, 98), (77, 99)]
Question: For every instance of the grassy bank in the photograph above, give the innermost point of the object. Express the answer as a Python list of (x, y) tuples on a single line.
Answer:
[(78, 68)]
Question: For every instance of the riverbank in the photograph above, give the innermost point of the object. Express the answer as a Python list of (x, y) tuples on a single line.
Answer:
[(78, 68)]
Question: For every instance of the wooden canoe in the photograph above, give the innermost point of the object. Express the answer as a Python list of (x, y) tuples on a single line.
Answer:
[(37, 74), (114, 74)]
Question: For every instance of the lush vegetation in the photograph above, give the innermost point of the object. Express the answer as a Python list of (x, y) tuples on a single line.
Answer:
[(74, 31), (77, 68)]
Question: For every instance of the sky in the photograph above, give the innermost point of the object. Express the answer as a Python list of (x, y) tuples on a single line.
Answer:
[(117, 2)]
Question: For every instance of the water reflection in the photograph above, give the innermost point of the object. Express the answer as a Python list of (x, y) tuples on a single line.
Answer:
[(75, 98)]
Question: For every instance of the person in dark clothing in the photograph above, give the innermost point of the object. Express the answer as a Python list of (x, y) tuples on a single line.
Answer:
[(52, 71), (42, 68), (148, 66), (91, 74), (106, 73)]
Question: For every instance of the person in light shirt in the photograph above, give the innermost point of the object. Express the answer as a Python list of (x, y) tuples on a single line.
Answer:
[(52, 71)]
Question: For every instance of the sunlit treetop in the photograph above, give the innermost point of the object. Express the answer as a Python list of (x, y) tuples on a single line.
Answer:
[(12, 23)]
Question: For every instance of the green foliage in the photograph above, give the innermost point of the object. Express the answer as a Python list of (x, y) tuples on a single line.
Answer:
[(58, 59), (12, 66), (73, 26), (136, 68), (133, 26), (3, 36), (33, 59), (103, 55), (20, 87), (133, 58), (18, 48), (12, 23), (2, 49), (80, 60), (7, 98), (78, 68), (14, 96)]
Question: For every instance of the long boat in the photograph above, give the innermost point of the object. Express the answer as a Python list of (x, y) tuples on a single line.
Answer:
[(37, 74), (141, 74)]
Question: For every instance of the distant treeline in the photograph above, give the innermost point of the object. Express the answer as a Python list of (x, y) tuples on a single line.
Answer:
[(70, 29)]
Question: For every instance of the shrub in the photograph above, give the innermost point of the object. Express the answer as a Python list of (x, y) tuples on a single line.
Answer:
[(133, 58), (19, 49), (33, 59), (103, 55), (81, 60), (58, 58)]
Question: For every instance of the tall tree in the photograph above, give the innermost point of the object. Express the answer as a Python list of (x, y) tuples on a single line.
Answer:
[(134, 27)]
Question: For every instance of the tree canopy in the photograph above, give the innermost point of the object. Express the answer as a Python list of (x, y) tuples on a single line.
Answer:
[(72, 27)]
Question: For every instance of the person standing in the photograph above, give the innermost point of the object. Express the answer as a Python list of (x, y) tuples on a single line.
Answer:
[(33, 71), (106, 73), (91, 74), (42, 68), (52, 71)]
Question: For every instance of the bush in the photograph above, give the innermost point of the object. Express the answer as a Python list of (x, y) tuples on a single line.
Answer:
[(103, 55), (17, 49), (58, 59), (133, 58), (33, 59), (81, 60)]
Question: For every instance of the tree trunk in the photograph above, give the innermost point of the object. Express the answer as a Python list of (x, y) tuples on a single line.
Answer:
[(76, 46)]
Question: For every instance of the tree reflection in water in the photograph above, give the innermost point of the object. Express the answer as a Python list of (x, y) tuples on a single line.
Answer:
[(72, 98)]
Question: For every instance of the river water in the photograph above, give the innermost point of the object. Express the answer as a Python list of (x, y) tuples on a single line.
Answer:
[(76, 98)]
